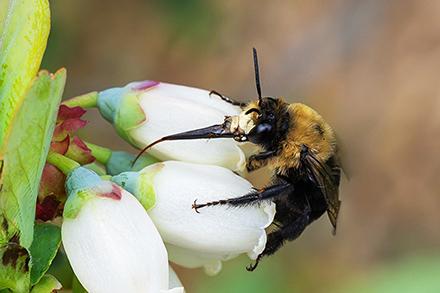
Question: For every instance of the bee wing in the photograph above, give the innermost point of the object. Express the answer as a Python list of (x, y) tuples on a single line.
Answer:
[(327, 177), (341, 159)]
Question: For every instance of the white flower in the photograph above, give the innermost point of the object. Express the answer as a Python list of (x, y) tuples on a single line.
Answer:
[(216, 233), (111, 242), (143, 112)]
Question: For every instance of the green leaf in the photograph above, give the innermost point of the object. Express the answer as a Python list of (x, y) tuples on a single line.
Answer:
[(25, 156), (77, 287), (47, 284), (14, 268), (25, 26), (61, 269), (47, 239)]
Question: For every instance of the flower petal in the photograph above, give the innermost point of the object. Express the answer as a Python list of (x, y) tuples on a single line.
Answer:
[(219, 232), (212, 264), (171, 109), (113, 246)]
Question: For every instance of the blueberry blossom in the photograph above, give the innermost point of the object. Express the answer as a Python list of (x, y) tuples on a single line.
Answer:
[(216, 233), (111, 242), (145, 111)]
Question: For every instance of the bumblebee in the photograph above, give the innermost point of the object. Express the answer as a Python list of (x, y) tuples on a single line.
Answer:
[(298, 146)]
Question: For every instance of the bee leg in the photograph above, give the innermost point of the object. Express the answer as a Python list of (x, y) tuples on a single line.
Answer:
[(226, 99), (251, 197), (287, 232), (259, 160)]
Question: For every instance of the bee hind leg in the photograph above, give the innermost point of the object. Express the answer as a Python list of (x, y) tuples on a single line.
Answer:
[(287, 232), (251, 197)]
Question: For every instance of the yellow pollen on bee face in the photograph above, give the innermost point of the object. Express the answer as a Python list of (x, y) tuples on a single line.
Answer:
[(242, 123)]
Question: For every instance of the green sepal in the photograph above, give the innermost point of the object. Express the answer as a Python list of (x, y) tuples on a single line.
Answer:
[(120, 106), (47, 284), (81, 186), (140, 184), (122, 162)]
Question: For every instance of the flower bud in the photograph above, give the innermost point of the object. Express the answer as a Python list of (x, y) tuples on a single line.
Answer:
[(216, 233), (111, 242), (143, 112)]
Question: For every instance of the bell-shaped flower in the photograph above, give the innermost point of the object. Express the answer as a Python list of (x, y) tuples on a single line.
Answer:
[(215, 234), (111, 242), (143, 112)]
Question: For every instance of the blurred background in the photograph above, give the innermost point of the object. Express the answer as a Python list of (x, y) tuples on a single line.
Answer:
[(371, 68)]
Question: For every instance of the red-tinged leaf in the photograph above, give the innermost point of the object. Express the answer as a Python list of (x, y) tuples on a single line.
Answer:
[(48, 209), (52, 183), (78, 151), (60, 146), (67, 127), (66, 112), (68, 121)]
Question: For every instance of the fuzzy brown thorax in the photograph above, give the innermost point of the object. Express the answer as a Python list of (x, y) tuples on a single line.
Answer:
[(307, 128)]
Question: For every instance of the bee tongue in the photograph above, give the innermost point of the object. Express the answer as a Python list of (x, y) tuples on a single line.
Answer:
[(214, 131)]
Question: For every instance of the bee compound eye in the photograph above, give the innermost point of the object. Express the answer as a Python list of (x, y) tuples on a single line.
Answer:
[(263, 128), (260, 133)]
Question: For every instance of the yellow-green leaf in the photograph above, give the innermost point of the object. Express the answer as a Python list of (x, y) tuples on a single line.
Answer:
[(25, 155), (23, 38)]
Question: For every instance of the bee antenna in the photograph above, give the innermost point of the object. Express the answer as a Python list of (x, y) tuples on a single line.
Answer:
[(257, 73)]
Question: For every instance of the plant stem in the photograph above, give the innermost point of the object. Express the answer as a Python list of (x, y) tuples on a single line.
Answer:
[(101, 154), (106, 177), (86, 101), (63, 163)]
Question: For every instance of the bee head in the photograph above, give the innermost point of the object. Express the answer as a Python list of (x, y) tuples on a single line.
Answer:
[(261, 122)]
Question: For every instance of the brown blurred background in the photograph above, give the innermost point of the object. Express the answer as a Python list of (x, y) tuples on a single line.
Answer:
[(371, 68)]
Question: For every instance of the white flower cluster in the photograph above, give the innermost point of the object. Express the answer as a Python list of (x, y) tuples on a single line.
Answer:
[(119, 235)]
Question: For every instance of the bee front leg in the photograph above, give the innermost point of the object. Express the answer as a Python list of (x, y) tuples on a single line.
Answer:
[(259, 160), (226, 99), (251, 197)]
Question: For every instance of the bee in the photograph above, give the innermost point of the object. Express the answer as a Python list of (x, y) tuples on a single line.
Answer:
[(300, 149)]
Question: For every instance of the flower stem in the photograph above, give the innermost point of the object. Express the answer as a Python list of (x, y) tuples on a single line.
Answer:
[(106, 177), (101, 154), (63, 163), (86, 101)]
